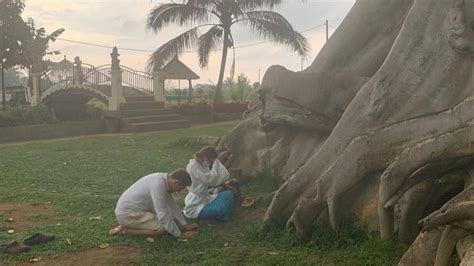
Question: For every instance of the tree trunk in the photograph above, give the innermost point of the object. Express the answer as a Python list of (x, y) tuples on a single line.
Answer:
[(218, 96), (387, 104)]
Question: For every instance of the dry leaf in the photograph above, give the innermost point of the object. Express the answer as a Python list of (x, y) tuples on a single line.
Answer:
[(273, 253), (95, 218), (68, 241), (226, 244), (11, 231), (150, 239), (182, 240), (35, 259), (248, 202), (104, 245), (10, 219)]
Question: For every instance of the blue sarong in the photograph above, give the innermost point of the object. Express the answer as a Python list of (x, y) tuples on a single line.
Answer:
[(220, 208)]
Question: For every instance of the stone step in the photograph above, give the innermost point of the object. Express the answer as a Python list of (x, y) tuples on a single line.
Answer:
[(139, 99), (140, 105), (152, 118), (146, 112), (155, 126)]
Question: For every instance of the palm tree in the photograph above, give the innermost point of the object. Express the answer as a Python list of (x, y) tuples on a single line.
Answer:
[(218, 16)]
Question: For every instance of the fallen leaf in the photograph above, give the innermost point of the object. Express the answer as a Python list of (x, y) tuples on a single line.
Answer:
[(104, 245), (150, 239), (35, 259), (11, 231), (248, 202), (68, 241), (273, 253), (95, 218), (182, 240), (226, 244), (10, 219)]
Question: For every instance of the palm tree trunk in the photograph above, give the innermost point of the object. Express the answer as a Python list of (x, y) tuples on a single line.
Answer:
[(218, 96)]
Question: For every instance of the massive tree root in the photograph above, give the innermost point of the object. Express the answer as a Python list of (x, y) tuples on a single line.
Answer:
[(394, 133)]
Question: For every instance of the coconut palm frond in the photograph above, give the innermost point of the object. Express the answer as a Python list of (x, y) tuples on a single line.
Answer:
[(180, 14), (208, 42), (202, 3), (172, 48), (254, 4), (269, 16), (232, 7), (280, 34)]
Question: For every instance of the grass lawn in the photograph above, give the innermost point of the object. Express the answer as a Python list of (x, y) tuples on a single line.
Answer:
[(69, 188)]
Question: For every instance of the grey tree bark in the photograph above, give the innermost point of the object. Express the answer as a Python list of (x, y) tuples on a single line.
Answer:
[(382, 119)]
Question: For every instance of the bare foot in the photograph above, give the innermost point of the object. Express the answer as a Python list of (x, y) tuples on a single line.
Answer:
[(118, 230)]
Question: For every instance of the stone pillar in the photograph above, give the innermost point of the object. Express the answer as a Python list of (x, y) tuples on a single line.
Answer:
[(159, 86), (116, 82), (35, 99), (77, 72)]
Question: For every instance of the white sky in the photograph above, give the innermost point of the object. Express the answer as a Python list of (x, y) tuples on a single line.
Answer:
[(121, 23)]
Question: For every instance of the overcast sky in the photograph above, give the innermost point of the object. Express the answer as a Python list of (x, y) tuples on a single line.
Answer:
[(122, 23)]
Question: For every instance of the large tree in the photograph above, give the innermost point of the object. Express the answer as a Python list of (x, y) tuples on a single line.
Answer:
[(15, 35), (218, 17), (380, 126)]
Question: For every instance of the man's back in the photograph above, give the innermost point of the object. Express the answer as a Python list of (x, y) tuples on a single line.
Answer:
[(138, 197)]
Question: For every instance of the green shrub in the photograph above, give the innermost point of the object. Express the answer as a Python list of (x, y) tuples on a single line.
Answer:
[(26, 115), (195, 109)]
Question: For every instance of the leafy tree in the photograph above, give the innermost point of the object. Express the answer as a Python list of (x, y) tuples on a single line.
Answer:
[(15, 34), (243, 86), (218, 17)]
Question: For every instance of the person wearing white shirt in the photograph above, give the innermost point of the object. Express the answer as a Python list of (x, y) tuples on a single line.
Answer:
[(148, 207), (206, 170)]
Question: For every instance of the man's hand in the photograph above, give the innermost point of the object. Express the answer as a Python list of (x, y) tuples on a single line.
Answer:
[(190, 227), (187, 234)]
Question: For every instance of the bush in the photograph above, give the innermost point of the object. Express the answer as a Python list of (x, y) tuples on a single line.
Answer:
[(26, 115), (195, 109), (230, 108)]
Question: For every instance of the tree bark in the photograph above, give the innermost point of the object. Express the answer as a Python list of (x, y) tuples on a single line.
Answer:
[(387, 103)]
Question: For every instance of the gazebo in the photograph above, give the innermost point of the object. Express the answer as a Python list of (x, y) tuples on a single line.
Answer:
[(177, 70)]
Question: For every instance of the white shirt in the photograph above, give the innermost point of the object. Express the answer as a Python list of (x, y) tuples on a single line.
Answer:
[(151, 194), (202, 178)]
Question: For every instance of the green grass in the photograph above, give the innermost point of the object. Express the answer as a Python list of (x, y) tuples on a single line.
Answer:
[(84, 178)]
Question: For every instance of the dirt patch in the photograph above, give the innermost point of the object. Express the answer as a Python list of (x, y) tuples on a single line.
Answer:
[(94, 256), (26, 216)]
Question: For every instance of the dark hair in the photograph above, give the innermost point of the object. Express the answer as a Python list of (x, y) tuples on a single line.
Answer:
[(206, 152), (181, 176)]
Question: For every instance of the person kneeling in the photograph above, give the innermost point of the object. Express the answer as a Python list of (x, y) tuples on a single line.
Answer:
[(148, 208), (206, 171)]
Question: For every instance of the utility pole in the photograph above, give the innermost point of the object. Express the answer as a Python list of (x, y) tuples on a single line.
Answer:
[(327, 30), (4, 103)]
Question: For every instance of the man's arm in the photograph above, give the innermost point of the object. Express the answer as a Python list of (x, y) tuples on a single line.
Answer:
[(166, 218)]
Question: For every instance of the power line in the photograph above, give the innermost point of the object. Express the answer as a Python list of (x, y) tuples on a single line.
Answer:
[(150, 51)]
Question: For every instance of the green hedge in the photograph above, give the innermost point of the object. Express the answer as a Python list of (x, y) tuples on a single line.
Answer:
[(26, 115)]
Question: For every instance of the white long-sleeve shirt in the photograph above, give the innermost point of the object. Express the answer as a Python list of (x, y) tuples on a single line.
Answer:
[(151, 194), (202, 178)]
